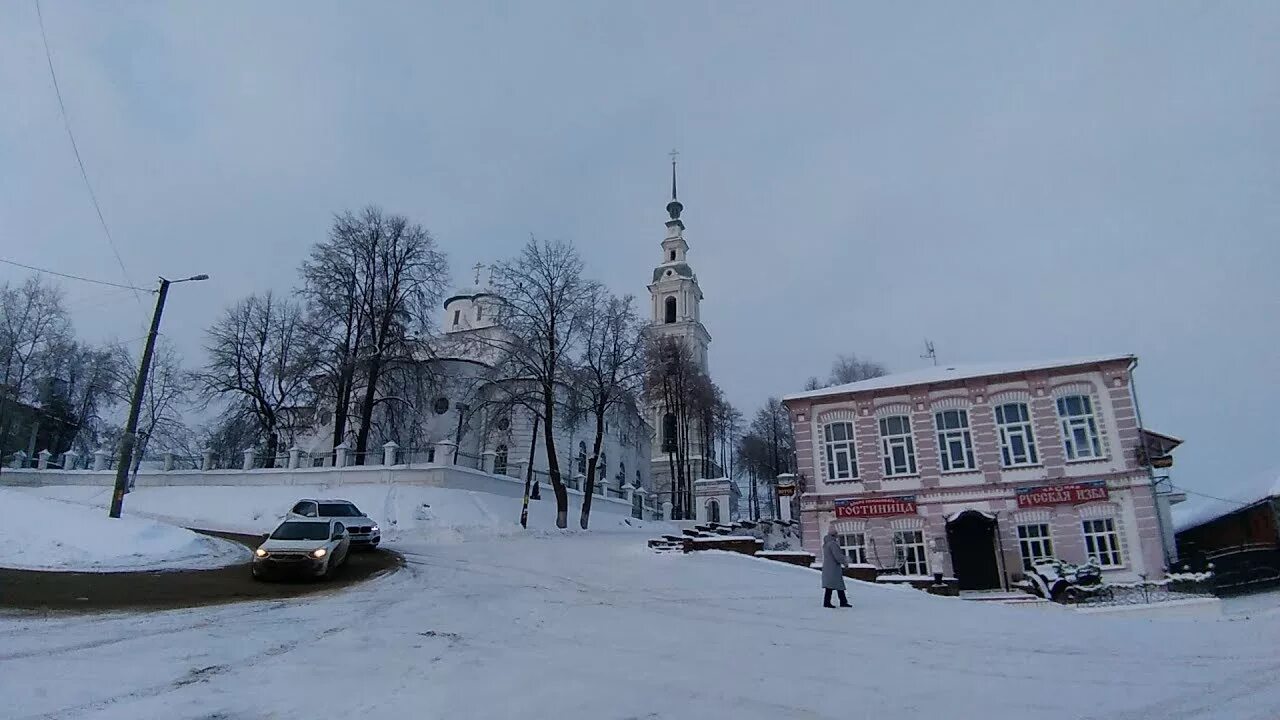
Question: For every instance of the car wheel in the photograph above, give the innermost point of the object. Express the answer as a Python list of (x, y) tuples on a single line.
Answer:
[(329, 569), (256, 574)]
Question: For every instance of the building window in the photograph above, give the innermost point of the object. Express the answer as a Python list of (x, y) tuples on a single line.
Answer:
[(908, 548), (457, 315), (673, 256), (955, 443), (713, 511), (1079, 429), (842, 458), (1101, 542), (669, 433), (602, 467), (1035, 543), (500, 461), (1017, 441), (897, 446), (638, 483), (479, 313), (441, 405), (855, 547), (670, 305), (582, 458), (622, 473)]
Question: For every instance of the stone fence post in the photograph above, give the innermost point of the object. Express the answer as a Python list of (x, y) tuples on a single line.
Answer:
[(490, 460), (445, 450), (43, 462), (206, 459), (100, 459), (389, 453), (295, 457), (340, 454), (248, 459), (168, 462), (19, 460), (69, 459)]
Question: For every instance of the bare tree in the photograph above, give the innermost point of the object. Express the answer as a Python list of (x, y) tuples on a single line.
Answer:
[(167, 389), (259, 358), (610, 369), (768, 449), (86, 379), (32, 322), (675, 382), (541, 295), (850, 368)]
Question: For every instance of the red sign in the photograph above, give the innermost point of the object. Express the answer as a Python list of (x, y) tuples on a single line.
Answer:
[(876, 507), (1072, 494)]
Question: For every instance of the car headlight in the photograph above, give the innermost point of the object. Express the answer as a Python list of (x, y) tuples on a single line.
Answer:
[(374, 529), (319, 553), (260, 553)]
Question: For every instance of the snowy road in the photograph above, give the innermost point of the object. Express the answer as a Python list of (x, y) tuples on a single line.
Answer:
[(596, 626)]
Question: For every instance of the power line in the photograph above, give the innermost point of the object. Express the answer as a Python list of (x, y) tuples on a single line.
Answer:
[(1213, 497), (134, 288), (76, 149)]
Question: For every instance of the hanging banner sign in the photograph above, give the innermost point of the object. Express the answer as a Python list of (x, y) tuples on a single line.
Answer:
[(1071, 494), (876, 507)]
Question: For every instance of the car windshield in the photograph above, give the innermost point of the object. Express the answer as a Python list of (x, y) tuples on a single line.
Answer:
[(339, 510), (301, 531)]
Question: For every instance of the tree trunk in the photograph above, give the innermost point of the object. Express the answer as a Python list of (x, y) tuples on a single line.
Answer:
[(589, 488), (553, 462), (342, 403), (366, 408)]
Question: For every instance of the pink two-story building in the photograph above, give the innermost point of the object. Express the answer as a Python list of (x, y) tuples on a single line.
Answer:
[(982, 469)]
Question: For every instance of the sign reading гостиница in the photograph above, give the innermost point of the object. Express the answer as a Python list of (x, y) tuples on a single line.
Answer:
[(876, 507)]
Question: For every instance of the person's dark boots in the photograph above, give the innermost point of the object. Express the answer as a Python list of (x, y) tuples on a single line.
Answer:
[(844, 601), (827, 604), (826, 599)]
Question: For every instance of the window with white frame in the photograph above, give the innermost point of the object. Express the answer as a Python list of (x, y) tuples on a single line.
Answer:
[(897, 445), (955, 442), (854, 545), (909, 549), (1102, 542), (1035, 543), (842, 458), (1079, 428), (1017, 441)]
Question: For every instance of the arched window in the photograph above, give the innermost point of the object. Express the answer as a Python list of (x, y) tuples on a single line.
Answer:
[(673, 256), (638, 483), (713, 511), (622, 473), (479, 313), (602, 468), (582, 458), (500, 461), (670, 304), (669, 432), (1079, 428)]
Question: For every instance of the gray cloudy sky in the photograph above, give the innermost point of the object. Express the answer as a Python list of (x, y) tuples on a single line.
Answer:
[(1014, 181)]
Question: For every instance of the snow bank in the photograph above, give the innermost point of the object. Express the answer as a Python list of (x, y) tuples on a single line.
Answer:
[(43, 534), (437, 515)]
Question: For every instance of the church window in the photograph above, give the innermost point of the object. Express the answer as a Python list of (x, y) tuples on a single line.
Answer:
[(670, 316), (669, 432), (457, 315), (500, 461), (622, 473), (479, 313), (582, 458), (673, 256), (602, 468)]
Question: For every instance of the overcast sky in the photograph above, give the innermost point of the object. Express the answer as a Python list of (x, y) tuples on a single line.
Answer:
[(1011, 182)]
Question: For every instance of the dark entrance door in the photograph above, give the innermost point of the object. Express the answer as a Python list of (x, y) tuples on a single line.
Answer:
[(972, 539)]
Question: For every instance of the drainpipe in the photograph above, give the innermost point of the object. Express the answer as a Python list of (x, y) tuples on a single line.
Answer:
[(1004, 571), (1151, 472)]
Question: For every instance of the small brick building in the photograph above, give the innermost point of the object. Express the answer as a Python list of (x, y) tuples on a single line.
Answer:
[(984, 469)]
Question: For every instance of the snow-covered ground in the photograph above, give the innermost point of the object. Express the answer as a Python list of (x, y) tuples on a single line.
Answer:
[(593, 625), (43, 534)]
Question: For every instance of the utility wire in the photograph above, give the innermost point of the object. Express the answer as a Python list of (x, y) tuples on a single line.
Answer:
[(1213, 497), (134, 288), (76, 149)]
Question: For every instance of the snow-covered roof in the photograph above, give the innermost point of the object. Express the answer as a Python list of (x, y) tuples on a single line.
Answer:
[(467, 293), (941, 374), (1203, 510)]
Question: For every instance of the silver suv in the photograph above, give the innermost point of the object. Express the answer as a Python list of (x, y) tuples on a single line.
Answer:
[(363, 530)]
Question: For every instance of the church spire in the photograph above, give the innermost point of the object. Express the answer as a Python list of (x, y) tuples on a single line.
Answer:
[(674, 207)]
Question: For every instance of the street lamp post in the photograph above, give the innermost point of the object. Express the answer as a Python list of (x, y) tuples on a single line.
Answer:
[(130, 437)]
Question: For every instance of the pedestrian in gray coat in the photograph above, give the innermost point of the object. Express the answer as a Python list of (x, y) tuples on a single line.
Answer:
[(833, 569)]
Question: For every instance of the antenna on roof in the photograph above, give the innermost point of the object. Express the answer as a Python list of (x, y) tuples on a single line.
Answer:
[(929, 352)]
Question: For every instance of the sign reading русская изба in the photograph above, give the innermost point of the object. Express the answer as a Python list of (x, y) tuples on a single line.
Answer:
[(1070, 494), (876, 507)]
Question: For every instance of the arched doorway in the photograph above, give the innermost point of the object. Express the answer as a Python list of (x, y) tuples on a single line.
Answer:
[(971, 536), (713, 511)]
